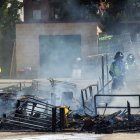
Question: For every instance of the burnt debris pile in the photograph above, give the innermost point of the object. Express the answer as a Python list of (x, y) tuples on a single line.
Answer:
[(119, 121), (36, 113)]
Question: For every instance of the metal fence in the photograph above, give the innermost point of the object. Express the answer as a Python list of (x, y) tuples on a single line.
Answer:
[(37, 115), (97, 106)]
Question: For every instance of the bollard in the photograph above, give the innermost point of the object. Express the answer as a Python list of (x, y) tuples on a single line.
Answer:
[(62, 118), (53, 119)]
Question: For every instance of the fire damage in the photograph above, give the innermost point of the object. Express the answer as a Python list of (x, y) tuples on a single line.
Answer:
[(25, 108)]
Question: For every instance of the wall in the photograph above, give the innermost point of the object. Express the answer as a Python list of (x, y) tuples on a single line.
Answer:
[(27, 41)]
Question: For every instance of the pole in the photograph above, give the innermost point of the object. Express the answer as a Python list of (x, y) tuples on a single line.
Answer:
[(62, 118), (83, 101), (95, 105), (102, 63), (107, 68), (53, 119)]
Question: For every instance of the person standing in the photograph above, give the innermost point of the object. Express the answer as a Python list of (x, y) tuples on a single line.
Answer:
[(130, 63), (117, 71), (77, 69), (132, 72)]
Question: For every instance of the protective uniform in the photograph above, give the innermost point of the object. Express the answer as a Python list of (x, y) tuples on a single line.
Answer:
[(117, 71), (132, 68), (130, 59), (77, 69)]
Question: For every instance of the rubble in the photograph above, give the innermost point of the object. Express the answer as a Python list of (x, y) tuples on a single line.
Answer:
[(108, 124), (37, 114), (34, 114)]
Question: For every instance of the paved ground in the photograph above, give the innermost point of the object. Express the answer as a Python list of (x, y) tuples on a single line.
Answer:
[(66, 136)]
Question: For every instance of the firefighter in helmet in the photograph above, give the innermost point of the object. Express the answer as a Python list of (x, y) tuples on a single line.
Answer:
[(77, 68), (130, 60), (132, 68), (117, 71)]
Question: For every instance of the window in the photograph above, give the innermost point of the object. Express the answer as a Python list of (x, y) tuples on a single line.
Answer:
[(37, 14)]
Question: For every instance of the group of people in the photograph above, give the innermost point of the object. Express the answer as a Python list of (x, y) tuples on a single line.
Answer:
[(119, 68)]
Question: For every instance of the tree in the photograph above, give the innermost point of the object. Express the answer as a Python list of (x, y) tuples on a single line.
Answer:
[(114, 13), (9, 16)]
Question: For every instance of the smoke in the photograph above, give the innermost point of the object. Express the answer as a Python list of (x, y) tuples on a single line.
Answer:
[(72, 10), (126, 39), (8, 102), (58, 55)]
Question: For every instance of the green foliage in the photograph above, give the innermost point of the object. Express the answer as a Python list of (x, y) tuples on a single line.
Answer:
[(9, 16), (115, 13)]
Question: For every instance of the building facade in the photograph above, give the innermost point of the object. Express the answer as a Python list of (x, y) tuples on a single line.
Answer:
[(45, 48)]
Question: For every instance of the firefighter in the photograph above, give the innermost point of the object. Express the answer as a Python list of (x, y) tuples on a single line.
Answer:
[(132, 68), (117, 71), (77, 69), (130, 60)]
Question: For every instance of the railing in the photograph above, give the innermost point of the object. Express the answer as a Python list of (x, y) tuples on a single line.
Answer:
[(116, 95), (105, 86), (87, 93), (36, 84), (14, 86)]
